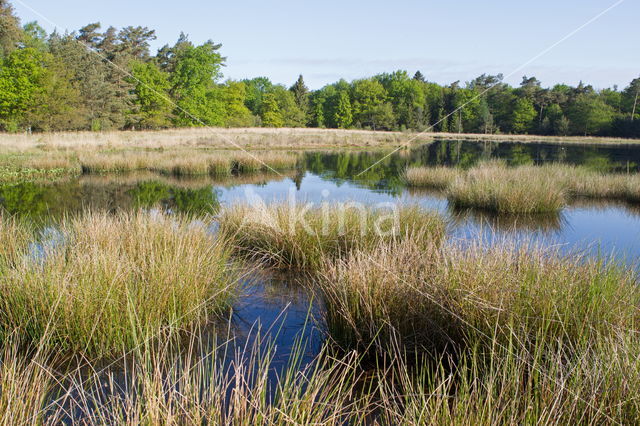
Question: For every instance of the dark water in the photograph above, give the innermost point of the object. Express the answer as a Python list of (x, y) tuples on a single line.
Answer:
[(606, 229)]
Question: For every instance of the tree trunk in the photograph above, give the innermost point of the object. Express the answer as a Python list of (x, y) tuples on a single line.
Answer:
[(635, 102)]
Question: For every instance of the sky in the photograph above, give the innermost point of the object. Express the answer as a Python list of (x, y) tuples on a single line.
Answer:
[(333, 39)]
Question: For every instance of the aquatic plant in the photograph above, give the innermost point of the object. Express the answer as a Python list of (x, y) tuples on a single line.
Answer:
[(524, 189), (431, 298), (284, 236), (116, 281), (431, 177)]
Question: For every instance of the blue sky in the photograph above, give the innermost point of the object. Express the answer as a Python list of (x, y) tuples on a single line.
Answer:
[(328, 40)]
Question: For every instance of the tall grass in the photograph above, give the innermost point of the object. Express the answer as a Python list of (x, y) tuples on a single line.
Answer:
[(527, 189), (188, 162), (106, 283), (460, 333), (439, 177), (435, 298), (514, 385), (176, 383), (285, 236)]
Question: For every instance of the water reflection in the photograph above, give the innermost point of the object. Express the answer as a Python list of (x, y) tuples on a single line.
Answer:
[(551, 223), (279, 306)]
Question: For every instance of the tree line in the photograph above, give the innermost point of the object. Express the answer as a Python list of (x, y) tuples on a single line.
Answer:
[(95, 79)]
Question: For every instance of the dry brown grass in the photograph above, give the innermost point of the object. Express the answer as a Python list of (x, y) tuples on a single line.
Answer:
[(204, 138)]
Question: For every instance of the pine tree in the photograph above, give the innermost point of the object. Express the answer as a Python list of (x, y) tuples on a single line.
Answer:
[(301, 95), (10, 32), (89, 75)]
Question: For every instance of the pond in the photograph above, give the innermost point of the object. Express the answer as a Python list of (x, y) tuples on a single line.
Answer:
[(286, 312)]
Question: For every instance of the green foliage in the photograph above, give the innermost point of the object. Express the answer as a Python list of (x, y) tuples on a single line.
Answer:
[(523, 116), (10, 32), (107, 80), (35, 36), (198, 100), (152, 103), (343, 116), (236, 112), (589, 114), (301, 95), (368, 97), (270, 114), (256, 89), (292, 115), (22, 80)]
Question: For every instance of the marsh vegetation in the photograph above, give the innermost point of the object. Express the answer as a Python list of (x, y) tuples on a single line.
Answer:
[(525, 189), (123, 295)]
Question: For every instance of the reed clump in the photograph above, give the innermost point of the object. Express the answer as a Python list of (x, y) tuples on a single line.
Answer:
[(439, 177), (526, 190), (188, 162), (495, 187), (103, 283), (113, 162), (168, 384), (541, 385), (445, 297), (285, 236)]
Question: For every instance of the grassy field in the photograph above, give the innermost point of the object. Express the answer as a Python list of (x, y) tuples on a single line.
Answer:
[(257, 138), (526, 189), (205, 138)]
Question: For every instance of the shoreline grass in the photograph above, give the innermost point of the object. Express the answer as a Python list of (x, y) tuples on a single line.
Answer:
[(101, 283), (495, 187), (524, 190), (188, 163), (285, 236), (439, 177), (460, 332), (262, 138), (442, 297)]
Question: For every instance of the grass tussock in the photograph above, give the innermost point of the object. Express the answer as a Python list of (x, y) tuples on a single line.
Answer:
[(431, 177), (188, 162), (493, 186), (526, 190), (101, 283), (513, 385), (447, 296), (285, 236), (168, 384)]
